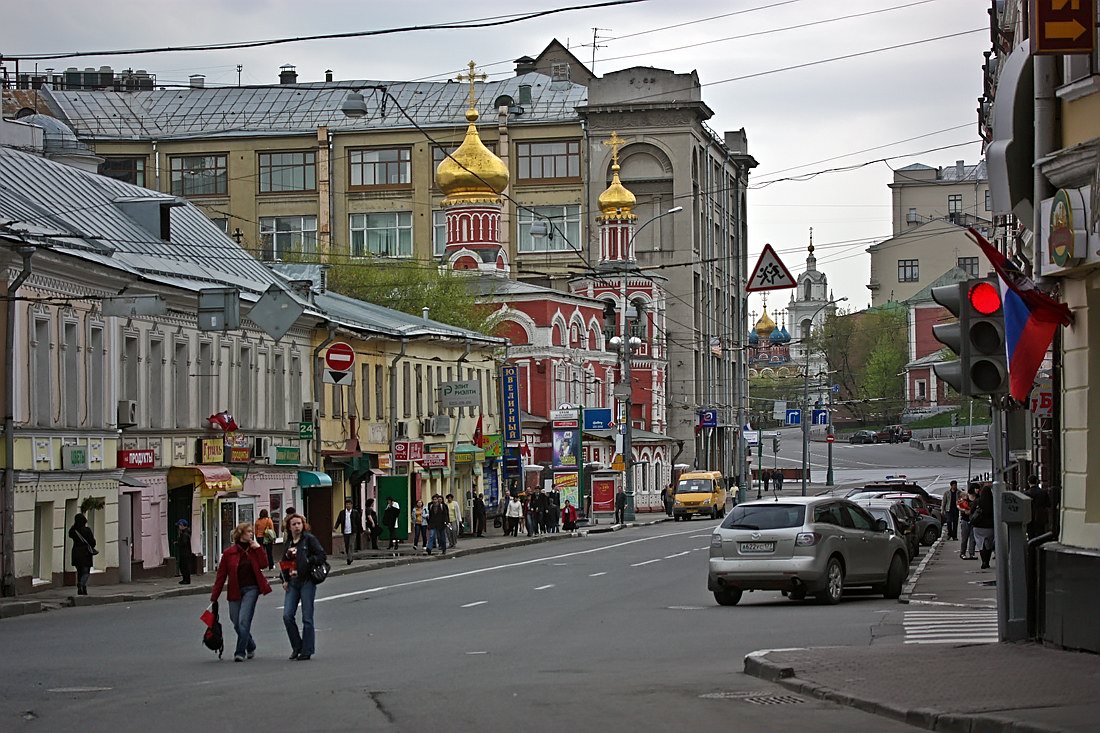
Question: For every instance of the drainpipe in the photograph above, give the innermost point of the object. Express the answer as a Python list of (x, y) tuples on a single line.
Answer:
[(318, 395), (7, 525), (393, 398)]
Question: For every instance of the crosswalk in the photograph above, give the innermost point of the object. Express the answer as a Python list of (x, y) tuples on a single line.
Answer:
[(951, 626)]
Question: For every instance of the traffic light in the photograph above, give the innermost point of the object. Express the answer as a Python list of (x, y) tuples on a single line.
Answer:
[(978, 337)]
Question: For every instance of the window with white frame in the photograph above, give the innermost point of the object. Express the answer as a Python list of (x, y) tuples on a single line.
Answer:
[(380, 167), (921, 388), (94, 373), (281, 236), (204, 371), (564, 228), (278, 391), (155, 383), (181, 368), (43, 412), (439, 232), (70, 378), (381, 234)]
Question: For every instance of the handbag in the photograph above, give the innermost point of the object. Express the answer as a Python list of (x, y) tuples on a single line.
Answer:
[(91, 549), (318, 571)]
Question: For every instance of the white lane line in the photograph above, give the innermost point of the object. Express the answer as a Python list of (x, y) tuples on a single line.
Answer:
[(544, 587), (473, 653), (475, 603), (697, 549), (596, 575), (678, 554), (560, 564), (698, 536), (959, 640), (647, 562), (492, 568)]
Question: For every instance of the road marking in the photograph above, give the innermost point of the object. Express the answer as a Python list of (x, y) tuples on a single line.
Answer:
[(473, 653), (544, 587), (698, 536), (80, 689), (596, 575), (475, 603), (678, 554), (685, 608), (647, 562), (560, 564), (492, 568), (950, 626), (696, 549)]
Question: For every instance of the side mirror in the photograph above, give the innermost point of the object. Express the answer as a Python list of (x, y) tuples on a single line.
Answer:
[(880, 525)]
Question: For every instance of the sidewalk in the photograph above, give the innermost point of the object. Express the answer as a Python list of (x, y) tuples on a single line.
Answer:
[(156, 588), (968, 688)]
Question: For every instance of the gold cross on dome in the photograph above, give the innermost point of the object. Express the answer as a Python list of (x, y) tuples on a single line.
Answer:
[(615, 142), (472, 77)]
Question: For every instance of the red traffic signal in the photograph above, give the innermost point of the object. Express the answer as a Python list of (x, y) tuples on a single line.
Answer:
[(984, 297)]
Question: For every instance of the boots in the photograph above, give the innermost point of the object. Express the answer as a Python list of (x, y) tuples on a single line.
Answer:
[(985, 555)]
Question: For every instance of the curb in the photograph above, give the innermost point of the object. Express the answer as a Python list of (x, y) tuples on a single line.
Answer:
[(757, 664), (912, 580)]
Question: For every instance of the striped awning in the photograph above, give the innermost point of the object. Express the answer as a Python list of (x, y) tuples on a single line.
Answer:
[(208, 480)]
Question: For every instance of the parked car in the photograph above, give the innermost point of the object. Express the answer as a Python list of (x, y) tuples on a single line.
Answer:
[(863, 436), (901, 485), (899, 521), (930, 524), (894, 434), (906, 513), (804, 546)]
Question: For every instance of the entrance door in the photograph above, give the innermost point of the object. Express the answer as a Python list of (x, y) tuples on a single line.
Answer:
[(179, 507), (318, 512), (232, 513), (125, 536)]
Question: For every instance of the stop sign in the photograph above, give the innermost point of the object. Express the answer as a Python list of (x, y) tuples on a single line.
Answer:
[(830, 438), (340, 357)]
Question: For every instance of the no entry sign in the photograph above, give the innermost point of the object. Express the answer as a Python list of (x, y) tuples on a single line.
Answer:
[(340, 357)]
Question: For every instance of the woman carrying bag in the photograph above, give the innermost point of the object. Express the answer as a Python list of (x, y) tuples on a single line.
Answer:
[(242, 564), (83, 551), (265, 534), (302, 552)]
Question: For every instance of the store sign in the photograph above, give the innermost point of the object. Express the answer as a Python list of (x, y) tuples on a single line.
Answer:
[(465, 393), (494, 445), (433, 460), (211, 450), (1063, 26), (1042, 398), (136, 459), (509, 389), (469, 457), (239, 454), (74, 458), (385, 461), (408, 450), (286, 455)]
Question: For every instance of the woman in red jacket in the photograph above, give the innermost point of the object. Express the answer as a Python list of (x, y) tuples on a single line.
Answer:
[(242, 564)]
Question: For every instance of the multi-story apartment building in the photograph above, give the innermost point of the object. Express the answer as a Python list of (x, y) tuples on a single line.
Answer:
[(931, 209)]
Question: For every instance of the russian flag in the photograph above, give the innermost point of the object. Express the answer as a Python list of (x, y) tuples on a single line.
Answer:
[(1031, 318)]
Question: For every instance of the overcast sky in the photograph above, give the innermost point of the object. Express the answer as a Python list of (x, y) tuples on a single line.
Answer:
[(793, 119)]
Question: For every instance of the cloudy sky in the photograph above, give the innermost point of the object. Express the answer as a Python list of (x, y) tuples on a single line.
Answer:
[(911, 104)]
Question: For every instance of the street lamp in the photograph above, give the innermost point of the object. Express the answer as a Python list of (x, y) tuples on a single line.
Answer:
[(806, 394)]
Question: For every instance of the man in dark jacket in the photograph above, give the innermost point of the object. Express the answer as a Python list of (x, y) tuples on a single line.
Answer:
[(183, 551), (949, 510), (390, 519), (777, 480), (438, 516), (620, 506), (350, 524), (1040, 508), (479, 516)]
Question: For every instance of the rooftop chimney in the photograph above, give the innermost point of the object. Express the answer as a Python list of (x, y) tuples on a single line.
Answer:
[(960, 168), (524, 65), (328, 74), (288, 74), (198, 81)]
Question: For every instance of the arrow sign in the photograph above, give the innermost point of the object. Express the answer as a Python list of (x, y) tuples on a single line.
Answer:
[(770, 273), (340, 357), (331, 376), (1063, 26)]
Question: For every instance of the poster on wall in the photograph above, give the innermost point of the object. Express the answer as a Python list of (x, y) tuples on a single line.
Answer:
[(567, 483), (567, 448)]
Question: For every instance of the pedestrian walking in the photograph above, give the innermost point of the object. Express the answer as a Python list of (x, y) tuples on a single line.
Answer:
[(184, 555), (265, 535), (966, 536), (664, 500), (242, 566), (390, 519), (569, 516), (777, 480), (370, 520), (766, 478), (620, 506), (1040, 508), (350, 523), (553, 512), (420, 525), (981, 525), (949, 510), (83, 552), (479, 516), (513, 516), (438, 514), (454, 520), (301, 553)]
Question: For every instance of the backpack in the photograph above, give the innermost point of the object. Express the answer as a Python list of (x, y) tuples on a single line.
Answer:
[(212, 638)]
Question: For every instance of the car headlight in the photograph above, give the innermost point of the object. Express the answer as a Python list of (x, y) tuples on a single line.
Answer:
[(706, 501)]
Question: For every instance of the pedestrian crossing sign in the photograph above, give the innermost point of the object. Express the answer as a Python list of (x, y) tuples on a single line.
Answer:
[(770, 273)]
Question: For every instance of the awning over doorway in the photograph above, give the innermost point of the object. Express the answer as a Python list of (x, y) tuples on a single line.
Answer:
[(310, 479), (127, 480), (209, 480)]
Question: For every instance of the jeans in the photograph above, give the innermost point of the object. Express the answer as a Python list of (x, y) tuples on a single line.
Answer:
[(437, 537), (966, 538), (241, 613), (532, 524), (306, 592), (420, 532), (82, 579), (952, 526)]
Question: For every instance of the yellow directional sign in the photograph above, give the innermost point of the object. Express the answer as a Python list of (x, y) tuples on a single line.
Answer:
[(1063, 26), (617, 463)]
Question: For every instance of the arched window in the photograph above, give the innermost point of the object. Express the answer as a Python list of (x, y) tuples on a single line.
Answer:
[(610, 321), (809, 290), (574, 336), (805, 330)]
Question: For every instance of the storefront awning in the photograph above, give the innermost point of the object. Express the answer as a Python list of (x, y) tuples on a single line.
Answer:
[(126, 480), (209, 480), (310, 479)]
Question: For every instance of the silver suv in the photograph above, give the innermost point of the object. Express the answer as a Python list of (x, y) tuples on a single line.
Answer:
[(804, 546)]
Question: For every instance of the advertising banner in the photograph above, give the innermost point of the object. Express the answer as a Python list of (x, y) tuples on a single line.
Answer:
[(465, 393), (136, 459), (509, 388), (567, 448), (568, 484)]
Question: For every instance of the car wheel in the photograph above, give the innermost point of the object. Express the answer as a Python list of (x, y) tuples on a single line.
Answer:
[(728, 597), (930, 536), (798, 594), (895, 578), (834, 583)]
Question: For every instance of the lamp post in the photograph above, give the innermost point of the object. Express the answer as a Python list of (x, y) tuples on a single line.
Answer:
[(831, 438), (806, 394)]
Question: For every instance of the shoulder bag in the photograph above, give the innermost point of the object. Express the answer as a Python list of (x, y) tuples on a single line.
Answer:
[(318, 571), (91, 549)]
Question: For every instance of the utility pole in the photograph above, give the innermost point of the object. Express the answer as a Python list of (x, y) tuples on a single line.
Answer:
[(596, 38)]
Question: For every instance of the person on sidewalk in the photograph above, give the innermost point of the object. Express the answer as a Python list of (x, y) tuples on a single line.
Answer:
[(765, 478), (666, 505), (420, 526), (454, 520), (242, 564), (83, 552), (513, 516), (1040, 508), (981, 525), (301, 553), (553, 512), (777, 480), (184, 555), (966, 534), (350, 523), (390, 520), (438, 514), (568, 516), (265, 535), (373, 528), (949, 510), (479, 516), (620, 506)]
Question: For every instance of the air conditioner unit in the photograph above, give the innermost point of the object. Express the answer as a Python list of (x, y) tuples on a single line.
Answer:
[(127, 413), (441, 425), (402, 429), (426, 426), (261, 450), (309, 411)]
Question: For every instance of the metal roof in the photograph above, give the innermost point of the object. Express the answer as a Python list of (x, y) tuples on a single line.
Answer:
[(70, 209), (287, 108)]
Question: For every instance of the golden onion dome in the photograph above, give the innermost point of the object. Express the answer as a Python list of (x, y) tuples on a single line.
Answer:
[(617, 200), (473, 174), (765, 325)]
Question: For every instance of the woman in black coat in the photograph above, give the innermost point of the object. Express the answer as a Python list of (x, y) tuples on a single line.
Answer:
[(83, 550)]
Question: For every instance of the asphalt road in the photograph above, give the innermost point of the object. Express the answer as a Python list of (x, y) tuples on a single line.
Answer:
[(610, 632)]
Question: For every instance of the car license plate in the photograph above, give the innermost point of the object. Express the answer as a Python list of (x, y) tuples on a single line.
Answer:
[(750, 547)]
